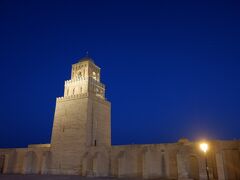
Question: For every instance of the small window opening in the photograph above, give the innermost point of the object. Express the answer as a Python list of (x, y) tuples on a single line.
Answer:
[(94, 75), (80, 74)]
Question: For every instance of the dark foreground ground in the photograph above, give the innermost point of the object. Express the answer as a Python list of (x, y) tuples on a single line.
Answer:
[(49, 177), (59, 177)]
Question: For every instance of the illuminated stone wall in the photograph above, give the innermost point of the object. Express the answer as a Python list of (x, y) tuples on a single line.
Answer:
[(82, 118), (172, 161), (81, 143)]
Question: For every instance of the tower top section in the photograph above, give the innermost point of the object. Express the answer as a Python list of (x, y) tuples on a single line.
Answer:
[(85, 68), (85, 80)]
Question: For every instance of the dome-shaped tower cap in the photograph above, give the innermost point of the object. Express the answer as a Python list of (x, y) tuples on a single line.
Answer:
[(86, 58)]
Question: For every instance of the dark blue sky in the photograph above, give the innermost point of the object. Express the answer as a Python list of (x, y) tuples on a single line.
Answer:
[(172, 68)]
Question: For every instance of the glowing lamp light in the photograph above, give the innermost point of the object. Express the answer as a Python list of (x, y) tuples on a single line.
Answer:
[(204, 147)]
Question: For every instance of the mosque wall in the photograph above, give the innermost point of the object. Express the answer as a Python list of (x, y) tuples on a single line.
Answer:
[(81, 143)]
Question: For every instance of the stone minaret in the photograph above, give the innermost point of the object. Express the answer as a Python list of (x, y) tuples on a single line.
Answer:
[(82, 118)]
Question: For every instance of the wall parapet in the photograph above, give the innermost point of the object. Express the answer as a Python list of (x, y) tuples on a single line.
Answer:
[(81, 79), (83, 95), (39, 145)]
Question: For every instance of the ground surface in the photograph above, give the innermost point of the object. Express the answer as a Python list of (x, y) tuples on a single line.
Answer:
[(48, 177), (57, 177)]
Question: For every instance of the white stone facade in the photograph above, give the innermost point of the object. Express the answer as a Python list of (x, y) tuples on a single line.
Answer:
[(81, 143)]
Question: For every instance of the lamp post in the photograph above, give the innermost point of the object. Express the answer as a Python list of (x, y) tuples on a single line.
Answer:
[(204, 148)]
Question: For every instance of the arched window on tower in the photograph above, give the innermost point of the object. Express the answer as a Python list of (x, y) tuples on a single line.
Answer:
[(79, 74), (94, 76), (98, 76)]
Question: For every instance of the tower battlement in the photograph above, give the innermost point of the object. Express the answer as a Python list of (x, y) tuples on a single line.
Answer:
[(85, 78)]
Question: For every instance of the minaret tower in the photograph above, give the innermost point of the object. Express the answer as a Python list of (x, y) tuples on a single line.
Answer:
[(82, 117)]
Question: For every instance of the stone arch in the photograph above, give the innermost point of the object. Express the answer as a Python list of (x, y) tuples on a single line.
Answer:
[(2, 163), (172, 164), (79, 74), (100, 164), (31, 163), (95, 165), (141, 163), (163, 166), (46, 162), (118, 164), (82, 167), (12, 160), (193, 167), (231, 159), (86, 168), (153, 163), (114, 167)]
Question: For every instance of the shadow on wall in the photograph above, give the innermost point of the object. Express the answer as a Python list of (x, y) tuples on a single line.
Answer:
[(193, 167), (2, 162)]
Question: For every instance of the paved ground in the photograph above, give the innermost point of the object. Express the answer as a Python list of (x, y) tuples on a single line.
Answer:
[(57, 177), (47, 177)]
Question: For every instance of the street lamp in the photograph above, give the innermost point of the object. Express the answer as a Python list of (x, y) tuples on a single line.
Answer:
[(204, 148)]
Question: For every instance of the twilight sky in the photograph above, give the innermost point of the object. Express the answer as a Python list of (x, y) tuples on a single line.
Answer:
[(171, 68)]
